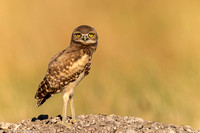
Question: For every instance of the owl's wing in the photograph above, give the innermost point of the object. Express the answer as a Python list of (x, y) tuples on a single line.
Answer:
[(63, 69), (56, 56)]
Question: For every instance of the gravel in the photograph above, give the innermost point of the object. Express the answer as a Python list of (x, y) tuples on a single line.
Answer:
[(93, 123)]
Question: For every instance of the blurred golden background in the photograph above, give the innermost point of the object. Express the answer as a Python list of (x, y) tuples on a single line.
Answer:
[(147, 63)]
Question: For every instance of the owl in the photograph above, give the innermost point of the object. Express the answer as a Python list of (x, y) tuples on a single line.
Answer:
[(68, 67)]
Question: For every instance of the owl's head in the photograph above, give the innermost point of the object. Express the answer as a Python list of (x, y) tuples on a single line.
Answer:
[(85, 35)]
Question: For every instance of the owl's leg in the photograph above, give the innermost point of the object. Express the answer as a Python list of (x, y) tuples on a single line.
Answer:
[(65, 101), (72, 108)]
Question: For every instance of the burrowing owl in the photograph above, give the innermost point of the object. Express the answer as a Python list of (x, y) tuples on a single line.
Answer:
[(68, 67)]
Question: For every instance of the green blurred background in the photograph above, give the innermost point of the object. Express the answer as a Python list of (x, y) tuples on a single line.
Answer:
[(147, 63)]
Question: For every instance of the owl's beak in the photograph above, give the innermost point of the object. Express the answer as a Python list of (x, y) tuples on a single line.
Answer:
[(85, 38)]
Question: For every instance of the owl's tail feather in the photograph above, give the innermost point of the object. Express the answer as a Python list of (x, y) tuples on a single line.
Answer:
[(42, 100), (39, 102), (43, 92)]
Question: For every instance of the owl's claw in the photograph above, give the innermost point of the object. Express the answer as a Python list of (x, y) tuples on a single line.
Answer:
[(72, 121), (65, 123)]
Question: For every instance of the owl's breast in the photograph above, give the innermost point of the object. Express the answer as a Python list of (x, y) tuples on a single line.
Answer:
[(79, 64), (68, 69)]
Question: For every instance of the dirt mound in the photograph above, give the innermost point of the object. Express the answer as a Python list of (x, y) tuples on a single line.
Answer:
[(93, 123)]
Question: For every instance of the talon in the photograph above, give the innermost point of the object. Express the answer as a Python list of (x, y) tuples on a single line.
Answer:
[(64, 123), (72, 121)]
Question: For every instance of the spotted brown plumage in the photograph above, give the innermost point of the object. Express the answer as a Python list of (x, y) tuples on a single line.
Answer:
[(68, 67)]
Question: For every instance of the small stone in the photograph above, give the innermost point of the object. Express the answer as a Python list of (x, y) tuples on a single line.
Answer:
[(42, 117), (33, 119), (140, 126), (79, 127), (110, 118)]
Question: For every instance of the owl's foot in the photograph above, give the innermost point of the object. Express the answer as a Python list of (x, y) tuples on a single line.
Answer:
[(65, 123), (72, 121)]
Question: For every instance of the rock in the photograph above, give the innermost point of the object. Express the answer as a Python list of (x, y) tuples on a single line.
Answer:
[(93, 123)]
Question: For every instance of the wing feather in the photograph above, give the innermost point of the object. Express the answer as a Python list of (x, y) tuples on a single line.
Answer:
[(64, 67)]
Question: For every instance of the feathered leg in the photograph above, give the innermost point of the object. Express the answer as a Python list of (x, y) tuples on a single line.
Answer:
[(65, 101), (72, 108)]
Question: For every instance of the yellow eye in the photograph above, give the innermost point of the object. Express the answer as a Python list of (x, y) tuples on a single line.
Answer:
[(78, 35), (91, 34)]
